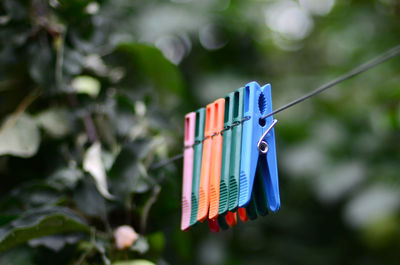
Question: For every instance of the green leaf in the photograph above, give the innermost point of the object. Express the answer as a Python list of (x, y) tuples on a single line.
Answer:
[(86, 85), (88, 199), (141, 245), (152, 63), (16, 9), (41, 65), (18, 256), (56, 242), (126, 175), (66, 177), (134, 262), (54, 122), (19, 136), (93, 163), (157, 241), (33, 195), (38, 223)]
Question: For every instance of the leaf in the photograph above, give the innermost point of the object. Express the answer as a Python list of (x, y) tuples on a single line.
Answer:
[(152, 63), (54, 122), (40, 222), (92, 163), (157, 241), (73, 61), (88, 199), (18, 256), (134, 262), (126, 175), (35, 194), (66, 177), (19, 136), (41, 65), (86, 85), (55, 242), (16, 9), (141, 245)]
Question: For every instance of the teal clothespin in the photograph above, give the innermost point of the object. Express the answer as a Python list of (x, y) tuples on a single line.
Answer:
[(198, 151)]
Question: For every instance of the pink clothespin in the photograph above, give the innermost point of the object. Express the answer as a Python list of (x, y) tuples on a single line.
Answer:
[(190, 123)]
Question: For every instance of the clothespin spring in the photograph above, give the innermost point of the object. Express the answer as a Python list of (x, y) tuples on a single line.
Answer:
[(262, 145)]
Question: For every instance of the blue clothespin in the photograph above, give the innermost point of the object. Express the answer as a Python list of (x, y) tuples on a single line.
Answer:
[(258, 147)]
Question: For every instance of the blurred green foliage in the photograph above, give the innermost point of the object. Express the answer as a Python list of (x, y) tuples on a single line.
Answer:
[(92, 93)]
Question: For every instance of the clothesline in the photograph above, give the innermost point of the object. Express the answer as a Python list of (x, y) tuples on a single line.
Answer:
[(383, 57)]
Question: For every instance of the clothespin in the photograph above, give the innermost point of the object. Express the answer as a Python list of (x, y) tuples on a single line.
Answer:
[(216, 157), (227, 219), (198, 151), (213, 225), (190, 120), (235, 157), (226, 156), (242, 214), (258, 151), (204, 201)]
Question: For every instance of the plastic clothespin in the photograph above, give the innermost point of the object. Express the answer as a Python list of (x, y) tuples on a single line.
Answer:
[(204, 201), (198, 151), (235, 157), (242, 214), (226, 156), (231, 219), (216, 157), (213, 225), (190, 120), (222, 223), (257, 103), (225, 218)]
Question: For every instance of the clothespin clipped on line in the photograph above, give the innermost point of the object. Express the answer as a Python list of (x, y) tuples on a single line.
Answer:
[(258, 154), (233, 170), (198, 153), (190, 120), (228, 183), (204, 203), (258, 181)]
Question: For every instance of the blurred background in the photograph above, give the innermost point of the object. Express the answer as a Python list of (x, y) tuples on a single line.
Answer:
[(92, 93)]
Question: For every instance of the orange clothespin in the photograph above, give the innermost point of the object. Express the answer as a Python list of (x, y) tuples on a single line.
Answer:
[(216, 157), (204, 201)]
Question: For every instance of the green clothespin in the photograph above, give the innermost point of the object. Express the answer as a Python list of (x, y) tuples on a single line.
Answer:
[(226, 156), (198, 150), (234, 165)]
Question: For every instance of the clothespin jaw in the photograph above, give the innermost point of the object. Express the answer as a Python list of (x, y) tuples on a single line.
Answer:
[(231, 219), (216, 157), (213, 225), (190, 120), (198, 151), (242, 214), (257, 103), (222, 223), (204, 201)]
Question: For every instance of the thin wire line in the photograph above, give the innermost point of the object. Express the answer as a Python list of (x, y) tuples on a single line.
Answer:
[(166, 161), (356, 71)]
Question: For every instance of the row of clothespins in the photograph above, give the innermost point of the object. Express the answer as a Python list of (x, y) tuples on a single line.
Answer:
[(230, 165)]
